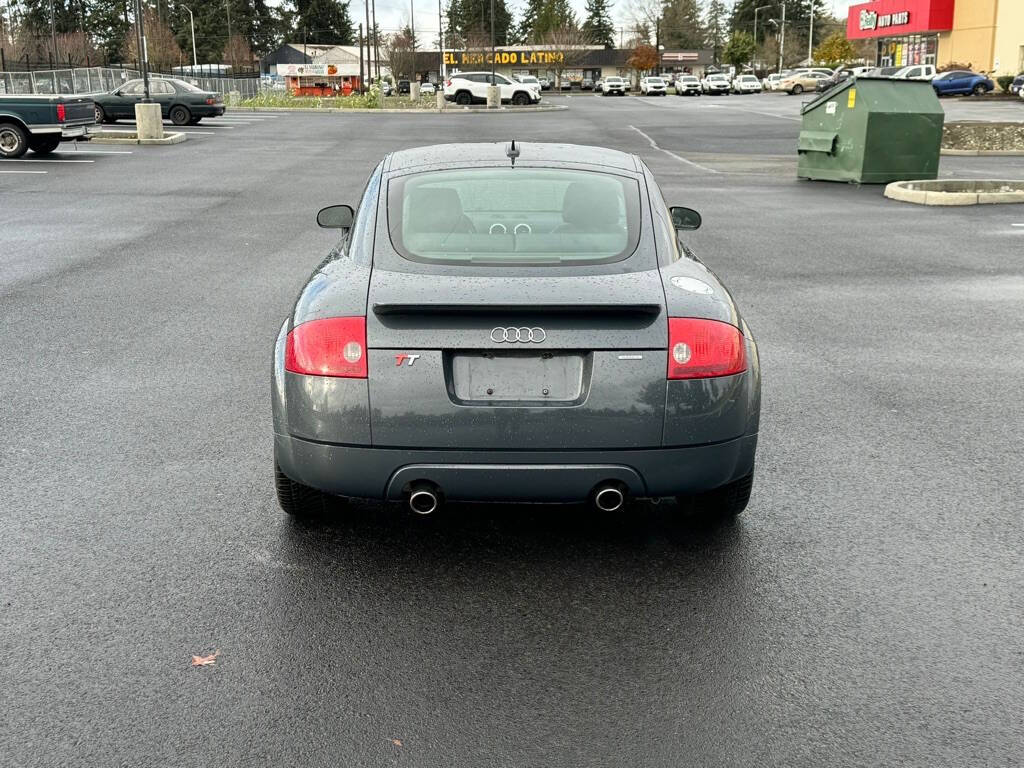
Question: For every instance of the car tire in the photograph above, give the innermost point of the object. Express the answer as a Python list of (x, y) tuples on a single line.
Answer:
[(44, 145), (720, 505), (299, 500), (463, 98), (13, 141), (180, 115), (520, 99), (101, 116), (979, 89), (797, 89)]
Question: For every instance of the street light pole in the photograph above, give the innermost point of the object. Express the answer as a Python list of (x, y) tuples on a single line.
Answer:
[(440, 27), (759, 8), (192, 26), (782, 36), (810, 36), (492, 43), (143, 54)]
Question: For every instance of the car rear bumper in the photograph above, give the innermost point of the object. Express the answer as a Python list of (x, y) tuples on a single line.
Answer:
[(488, 475), (203, 110)]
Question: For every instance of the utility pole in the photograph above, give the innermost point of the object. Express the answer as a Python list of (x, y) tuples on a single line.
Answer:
[(361, 89), (192, 26), (440, 26), (810, 36), (759, 8), (782, 36), (231, 50), (376, 42), (369, 64), (492, 43), (53, 31), (143, 53), (412, 33)]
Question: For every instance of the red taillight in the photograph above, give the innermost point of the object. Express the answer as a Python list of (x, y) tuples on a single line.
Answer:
[(700, 349), (447, 83), (61, 114), (335, 346), (211, 101)]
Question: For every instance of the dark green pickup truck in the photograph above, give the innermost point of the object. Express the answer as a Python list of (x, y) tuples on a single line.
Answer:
[(40, 122)]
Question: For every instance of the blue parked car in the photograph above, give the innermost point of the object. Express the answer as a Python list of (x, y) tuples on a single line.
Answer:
[(1017, 84), (961, 81)]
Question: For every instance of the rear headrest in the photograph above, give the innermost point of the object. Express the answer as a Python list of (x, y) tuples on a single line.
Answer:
[(433, 209), (587, 203)]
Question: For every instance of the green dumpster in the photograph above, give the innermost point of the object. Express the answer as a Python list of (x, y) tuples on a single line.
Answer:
[(871, 130)]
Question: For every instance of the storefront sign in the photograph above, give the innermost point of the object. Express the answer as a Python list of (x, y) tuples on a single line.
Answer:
[(882, 18), (306, 70), (516, 58)]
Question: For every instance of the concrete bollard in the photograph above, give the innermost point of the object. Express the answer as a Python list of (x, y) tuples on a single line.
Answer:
[(414, 91), (439, 98), (493, 96), (149, 123)]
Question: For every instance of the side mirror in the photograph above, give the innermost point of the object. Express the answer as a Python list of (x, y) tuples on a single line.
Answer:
[(336, 217), (684, 218)]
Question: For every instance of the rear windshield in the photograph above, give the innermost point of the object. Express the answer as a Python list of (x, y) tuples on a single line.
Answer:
[(507, 216), (186, 86)]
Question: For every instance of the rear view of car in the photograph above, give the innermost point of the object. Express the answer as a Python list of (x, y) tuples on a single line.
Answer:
[(500, 331)]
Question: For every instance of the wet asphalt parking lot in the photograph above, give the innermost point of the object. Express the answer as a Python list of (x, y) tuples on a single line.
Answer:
[(865, 610)]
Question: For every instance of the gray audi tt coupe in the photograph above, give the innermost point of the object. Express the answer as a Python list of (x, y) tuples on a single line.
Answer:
[(516, 323)]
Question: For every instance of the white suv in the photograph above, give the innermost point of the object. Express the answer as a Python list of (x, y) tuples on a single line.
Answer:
[(467, 88), (613, 86), (653, 86)]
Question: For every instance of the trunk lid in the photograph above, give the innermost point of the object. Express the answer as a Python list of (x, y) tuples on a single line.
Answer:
[(78, 109), (471, 361)]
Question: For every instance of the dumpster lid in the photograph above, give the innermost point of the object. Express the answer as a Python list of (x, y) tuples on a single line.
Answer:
[(816, 141)]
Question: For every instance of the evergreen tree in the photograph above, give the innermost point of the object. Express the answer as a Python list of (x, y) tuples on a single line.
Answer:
[(681, 25), (553, 15), (524, 30), (716, 27), (598, 26), (471, 19), (325, 22)]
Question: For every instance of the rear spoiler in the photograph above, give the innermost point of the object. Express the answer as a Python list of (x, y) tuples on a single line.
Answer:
[(495, 309)]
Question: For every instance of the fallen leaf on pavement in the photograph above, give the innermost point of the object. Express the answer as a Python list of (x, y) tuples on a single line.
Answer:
[(397, 742), (205, 661)]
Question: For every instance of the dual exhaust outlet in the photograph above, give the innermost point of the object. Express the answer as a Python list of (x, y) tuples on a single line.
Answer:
[(426, 498)]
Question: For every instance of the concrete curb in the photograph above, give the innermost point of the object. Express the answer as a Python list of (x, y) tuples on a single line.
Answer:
[(984, 152), (129, 137), (416, 111), (926, 193)]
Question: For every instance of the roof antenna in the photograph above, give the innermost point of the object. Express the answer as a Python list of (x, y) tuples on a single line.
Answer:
[(512, 152)]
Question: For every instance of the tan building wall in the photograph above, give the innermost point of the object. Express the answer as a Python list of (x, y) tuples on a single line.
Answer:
[(972, 40), (1009, 38)]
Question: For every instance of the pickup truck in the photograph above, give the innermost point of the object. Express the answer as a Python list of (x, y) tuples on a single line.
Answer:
[(40, 122)]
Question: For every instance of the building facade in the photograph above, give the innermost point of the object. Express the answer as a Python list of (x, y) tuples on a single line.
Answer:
[(988, 35)]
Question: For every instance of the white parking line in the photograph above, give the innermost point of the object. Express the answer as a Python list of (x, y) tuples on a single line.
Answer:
[(115, 131), (1017, 225), (37, 160), (95, 152), (672, 154), (7, 161)]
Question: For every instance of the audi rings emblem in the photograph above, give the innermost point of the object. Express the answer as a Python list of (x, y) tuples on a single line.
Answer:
[(513, 335)]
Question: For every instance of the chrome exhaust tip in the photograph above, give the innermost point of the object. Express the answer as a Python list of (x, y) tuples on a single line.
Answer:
[(609, 498), (424, 500)]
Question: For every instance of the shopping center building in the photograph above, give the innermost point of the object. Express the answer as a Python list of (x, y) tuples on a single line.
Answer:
[(988, 35)]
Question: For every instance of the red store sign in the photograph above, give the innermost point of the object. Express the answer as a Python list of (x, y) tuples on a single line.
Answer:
[(890, 18)]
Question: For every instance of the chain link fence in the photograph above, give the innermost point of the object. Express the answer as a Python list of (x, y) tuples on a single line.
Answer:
[(78, 80), (87, 80)]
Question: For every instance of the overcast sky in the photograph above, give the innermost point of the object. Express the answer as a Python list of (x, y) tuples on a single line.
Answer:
[(393, 14)]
